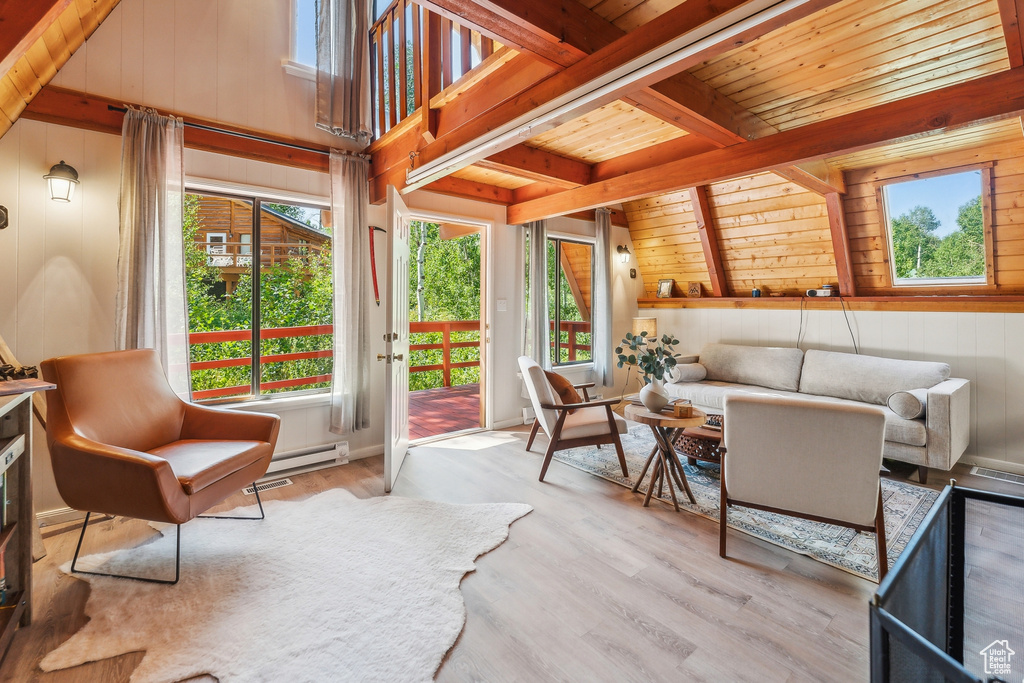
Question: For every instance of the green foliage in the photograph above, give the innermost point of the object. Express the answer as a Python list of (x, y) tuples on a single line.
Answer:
[(652, 357), (450, 290), (919, 253)]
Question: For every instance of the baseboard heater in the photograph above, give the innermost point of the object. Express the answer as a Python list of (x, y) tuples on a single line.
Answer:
[(307, 460)]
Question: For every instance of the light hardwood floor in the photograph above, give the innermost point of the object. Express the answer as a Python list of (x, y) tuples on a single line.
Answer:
[(589, 587)]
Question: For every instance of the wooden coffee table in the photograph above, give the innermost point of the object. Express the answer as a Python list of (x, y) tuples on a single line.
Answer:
[(665, 427)]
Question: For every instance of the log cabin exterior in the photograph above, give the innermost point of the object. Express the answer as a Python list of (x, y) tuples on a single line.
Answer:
[(739, 144)]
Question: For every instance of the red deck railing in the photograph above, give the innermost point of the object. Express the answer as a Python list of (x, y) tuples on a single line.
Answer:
[(220, 337), (415, 54), (446, 345), (574, 328)]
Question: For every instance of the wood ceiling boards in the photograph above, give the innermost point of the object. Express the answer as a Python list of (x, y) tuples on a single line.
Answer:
[(36, 40)]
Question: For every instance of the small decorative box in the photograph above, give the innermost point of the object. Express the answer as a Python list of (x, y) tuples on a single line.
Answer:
[(682, 408)]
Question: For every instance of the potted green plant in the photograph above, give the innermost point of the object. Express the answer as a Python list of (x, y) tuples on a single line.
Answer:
[(653, 358)]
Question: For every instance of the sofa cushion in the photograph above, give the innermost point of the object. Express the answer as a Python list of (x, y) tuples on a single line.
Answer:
[(590, 422), (711, 396), (866, 378), (686, 372), (765, 366), (909, 404)]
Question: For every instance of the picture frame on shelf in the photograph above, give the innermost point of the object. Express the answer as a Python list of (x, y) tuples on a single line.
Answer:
[(665, 288)]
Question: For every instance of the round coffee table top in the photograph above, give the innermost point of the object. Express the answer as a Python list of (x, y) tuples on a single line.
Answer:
[(667, 419)]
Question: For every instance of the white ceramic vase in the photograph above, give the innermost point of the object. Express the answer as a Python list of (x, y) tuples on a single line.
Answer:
[(653, 395)]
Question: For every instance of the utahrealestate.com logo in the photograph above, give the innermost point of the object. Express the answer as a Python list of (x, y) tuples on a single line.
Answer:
[(998, 656)]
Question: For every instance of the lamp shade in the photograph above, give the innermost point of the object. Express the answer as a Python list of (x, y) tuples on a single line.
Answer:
[(648, 325), (623, 252), (62, 180)]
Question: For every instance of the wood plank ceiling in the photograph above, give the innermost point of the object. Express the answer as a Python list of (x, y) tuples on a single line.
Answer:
[(772, 232), (36, 40)]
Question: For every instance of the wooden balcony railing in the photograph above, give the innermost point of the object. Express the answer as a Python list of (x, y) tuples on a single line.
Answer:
[(197, 338), (415, 54), (446, 345), (239, 254), (573, 329)]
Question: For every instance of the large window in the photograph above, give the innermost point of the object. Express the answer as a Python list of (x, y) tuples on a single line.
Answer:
[(248, 341), (937, 227), (570, 282)]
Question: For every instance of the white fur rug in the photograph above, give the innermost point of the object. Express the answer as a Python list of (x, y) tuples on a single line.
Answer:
[(331, 588)]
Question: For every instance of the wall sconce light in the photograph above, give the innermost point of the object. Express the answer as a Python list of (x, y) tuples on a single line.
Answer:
[(62, 180), (3, 217), (623, 251)]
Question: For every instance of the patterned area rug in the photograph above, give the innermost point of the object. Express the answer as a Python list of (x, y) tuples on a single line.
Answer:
[(905, 508)]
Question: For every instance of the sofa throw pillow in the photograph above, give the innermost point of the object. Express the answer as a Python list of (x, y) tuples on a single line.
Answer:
[(870, 379), (910, 404), (687, 372), (762, 366), (564, 388)]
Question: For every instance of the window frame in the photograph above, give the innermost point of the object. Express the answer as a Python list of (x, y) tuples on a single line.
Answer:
[(257, 196), (558, 238), (987, 192)]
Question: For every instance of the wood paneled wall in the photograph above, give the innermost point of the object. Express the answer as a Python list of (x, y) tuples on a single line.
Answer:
[(868, 241), (772, 234)]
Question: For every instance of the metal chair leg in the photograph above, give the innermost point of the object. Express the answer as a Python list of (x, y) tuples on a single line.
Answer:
[(177, 559), (258, 502)]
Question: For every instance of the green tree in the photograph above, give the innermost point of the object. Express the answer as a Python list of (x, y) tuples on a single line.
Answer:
[(914, 240), (962, 252)]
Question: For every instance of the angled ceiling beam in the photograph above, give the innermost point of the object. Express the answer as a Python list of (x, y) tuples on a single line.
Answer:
[(709, 239), (988, 98), (22, 24), (538, 165), (840, 244), (682, 100), (680, 38), (1011, 13), (469, 189)]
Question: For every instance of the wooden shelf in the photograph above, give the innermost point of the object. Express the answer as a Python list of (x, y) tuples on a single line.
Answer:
[(20, 386), (979, 304), (5, 535), (9, 617)]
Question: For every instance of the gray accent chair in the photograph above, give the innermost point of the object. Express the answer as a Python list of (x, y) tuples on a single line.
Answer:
[(590, 424), (807, 458)]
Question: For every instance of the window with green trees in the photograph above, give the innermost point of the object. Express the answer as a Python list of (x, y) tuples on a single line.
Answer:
[(232, 242), (570, 272), (936, 228)]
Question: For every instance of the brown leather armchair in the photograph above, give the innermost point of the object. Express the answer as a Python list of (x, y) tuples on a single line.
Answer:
[(122, 443)]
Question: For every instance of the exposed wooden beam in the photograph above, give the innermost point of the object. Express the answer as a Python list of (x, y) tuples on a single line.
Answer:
[(22, 24), (91, 112), (536, 164), (840, 243), (988, 98), (816, 176), (593, 81), (468, 189), (709, 239), (431, 76), (618, 218), (1011, 13)]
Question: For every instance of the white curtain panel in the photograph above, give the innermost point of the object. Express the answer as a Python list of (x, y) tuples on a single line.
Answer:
[(350, 253), (601, 301), (343, 69), (151, 309), (537, 344)]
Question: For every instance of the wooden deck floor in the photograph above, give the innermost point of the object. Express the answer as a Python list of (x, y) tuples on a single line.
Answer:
[(433, 412), (590, 586)]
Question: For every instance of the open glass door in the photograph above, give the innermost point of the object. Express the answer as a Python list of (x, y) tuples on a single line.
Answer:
[(396, 405)]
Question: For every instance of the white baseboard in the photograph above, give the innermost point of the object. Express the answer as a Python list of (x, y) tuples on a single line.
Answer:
[(512, 422), (58, 516), (366, 452), (993, 464)]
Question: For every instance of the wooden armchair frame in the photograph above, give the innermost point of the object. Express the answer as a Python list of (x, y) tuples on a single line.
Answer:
[(557, 443), (536, 423)]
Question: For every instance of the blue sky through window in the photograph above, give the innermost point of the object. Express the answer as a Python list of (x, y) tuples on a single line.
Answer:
[(305, 32), (943, 194)]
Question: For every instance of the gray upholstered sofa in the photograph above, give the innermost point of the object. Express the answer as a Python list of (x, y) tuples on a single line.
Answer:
[(935, 439)]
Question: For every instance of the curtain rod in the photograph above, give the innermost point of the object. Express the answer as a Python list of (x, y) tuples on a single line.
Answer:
[(247, 136)]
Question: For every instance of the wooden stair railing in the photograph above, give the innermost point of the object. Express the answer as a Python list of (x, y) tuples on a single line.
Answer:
[(413, 61)]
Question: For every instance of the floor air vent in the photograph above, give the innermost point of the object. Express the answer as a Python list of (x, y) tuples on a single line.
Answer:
[(267, 486), (996, 474)]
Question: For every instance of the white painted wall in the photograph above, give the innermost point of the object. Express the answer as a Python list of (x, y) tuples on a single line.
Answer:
[(985, 348)]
